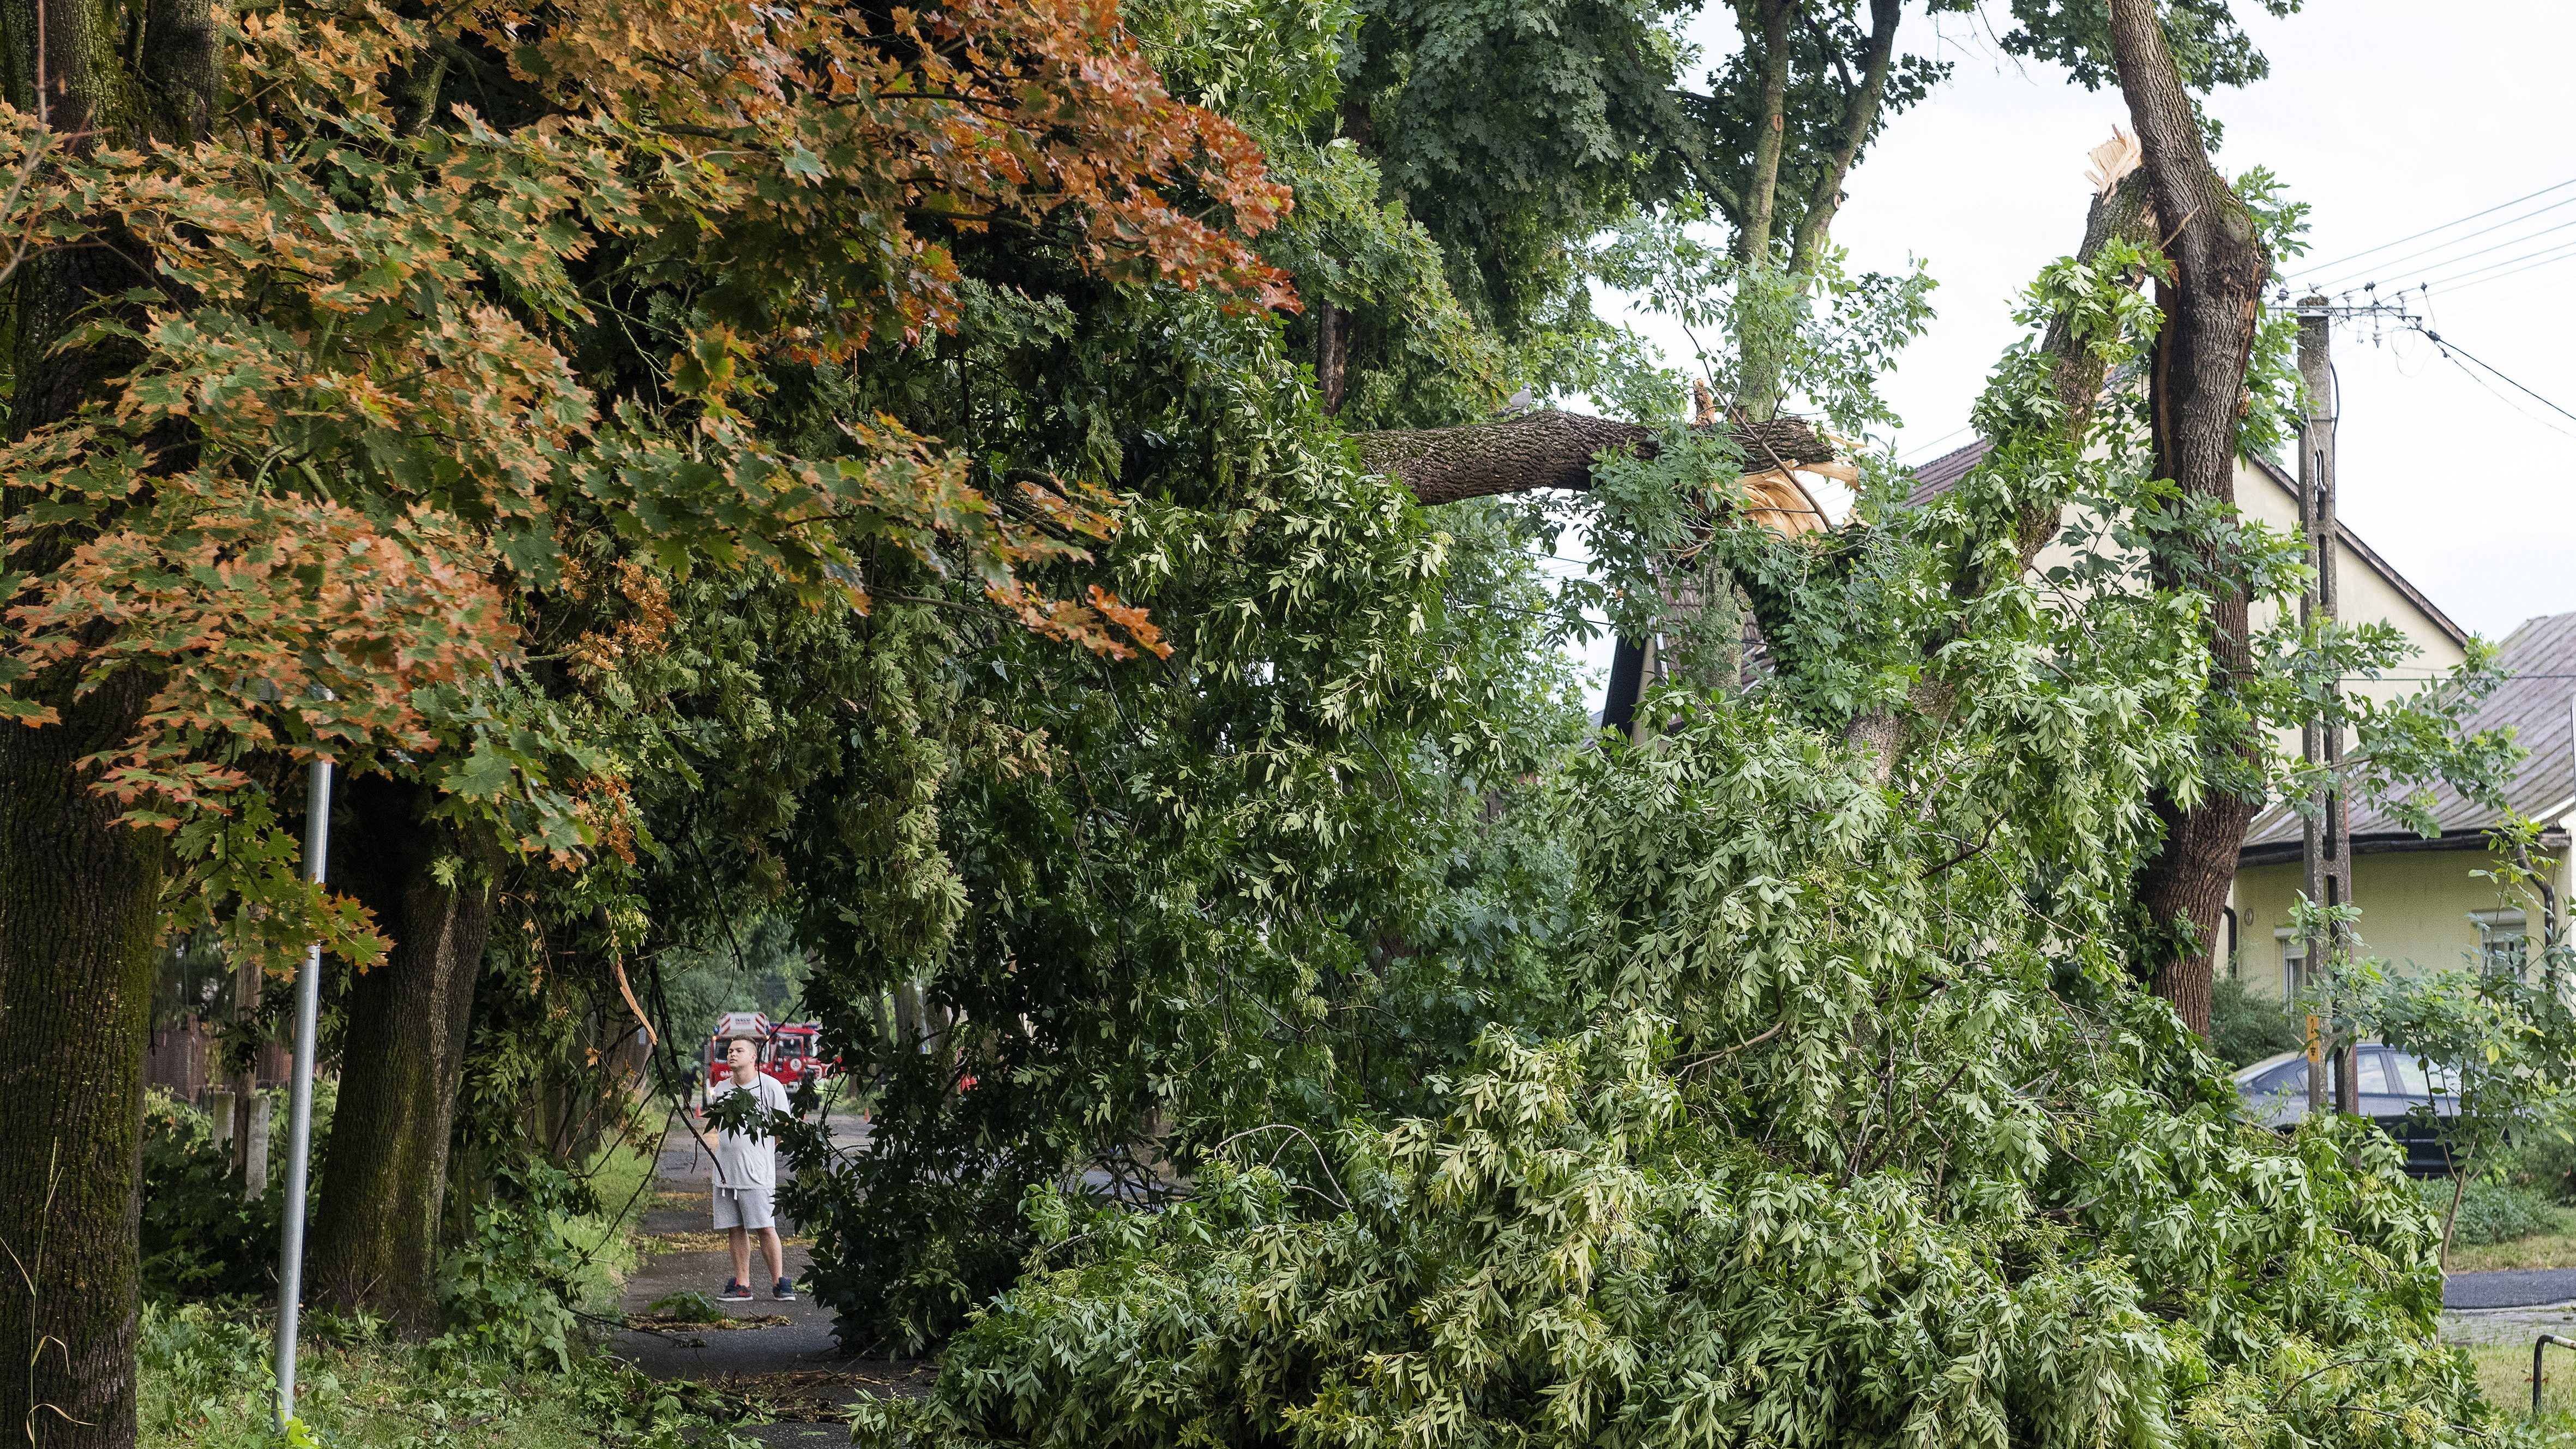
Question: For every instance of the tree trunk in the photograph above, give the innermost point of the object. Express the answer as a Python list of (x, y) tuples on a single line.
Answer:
[(2211, 308), (79, 893), (79, 944), (1332, 354), (1548, 449), (375, 1235)]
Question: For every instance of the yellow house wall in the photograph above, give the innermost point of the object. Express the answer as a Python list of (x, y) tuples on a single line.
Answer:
[(2365, 595), (2414, 910)]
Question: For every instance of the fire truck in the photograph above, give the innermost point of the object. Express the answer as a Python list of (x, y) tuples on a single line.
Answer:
[(790, 1051)]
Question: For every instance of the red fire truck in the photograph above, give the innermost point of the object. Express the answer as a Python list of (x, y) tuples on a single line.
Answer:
[(790, 1051)]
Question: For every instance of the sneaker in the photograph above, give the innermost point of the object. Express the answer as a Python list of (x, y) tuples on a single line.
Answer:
[(734, 1292), (785, 1292)]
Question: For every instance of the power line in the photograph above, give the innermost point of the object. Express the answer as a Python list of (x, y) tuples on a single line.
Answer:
[(2555, 254), (2499, 246), (2445, 226), (2347, 278), (2462, 357)]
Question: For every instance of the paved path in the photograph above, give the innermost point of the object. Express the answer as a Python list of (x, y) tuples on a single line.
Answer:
[(797, 1366), (2512, 1288)]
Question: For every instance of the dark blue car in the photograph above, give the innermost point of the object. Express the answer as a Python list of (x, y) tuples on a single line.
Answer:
[(2401, 1093)]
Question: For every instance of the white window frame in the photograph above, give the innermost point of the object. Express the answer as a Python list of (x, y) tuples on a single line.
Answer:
[(2294, 964), (2504, 940)]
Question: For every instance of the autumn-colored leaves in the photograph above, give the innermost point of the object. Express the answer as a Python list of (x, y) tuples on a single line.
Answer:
[(328, 475)]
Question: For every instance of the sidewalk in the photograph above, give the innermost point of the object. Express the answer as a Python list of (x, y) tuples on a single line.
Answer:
[(798, 1365)]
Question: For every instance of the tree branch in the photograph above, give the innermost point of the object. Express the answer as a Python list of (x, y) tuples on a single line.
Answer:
[(1545, 449), (1860, 116)]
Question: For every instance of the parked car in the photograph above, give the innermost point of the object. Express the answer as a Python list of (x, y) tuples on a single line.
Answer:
[(2401, 1093)]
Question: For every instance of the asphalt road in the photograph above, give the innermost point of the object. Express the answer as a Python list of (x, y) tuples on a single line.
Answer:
[(2512, 1288)]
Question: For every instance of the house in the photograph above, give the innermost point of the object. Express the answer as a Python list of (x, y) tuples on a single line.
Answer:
[(2370, 589), (2421, 904), (2420, 901)]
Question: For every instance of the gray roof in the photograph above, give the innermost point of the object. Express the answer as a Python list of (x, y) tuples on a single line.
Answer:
[(2537, 699)]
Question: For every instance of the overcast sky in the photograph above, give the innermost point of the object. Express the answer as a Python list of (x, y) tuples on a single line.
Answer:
[(2387, 119)]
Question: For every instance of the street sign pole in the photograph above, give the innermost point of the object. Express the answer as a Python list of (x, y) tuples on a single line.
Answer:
[(299, 1128)]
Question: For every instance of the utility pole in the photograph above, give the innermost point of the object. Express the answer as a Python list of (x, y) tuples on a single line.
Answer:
[(2326, 849)]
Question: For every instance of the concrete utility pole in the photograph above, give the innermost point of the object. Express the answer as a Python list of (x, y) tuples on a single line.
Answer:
[(2326, 851)]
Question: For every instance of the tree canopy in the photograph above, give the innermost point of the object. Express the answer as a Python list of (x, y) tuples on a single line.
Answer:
[(1039, 516)]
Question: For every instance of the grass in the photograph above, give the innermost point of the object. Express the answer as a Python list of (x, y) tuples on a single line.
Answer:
[(2504, 1377), (2553, 1248), (206, 1384)]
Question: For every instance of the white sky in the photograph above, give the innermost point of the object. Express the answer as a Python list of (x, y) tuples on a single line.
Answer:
[(2387, 118)]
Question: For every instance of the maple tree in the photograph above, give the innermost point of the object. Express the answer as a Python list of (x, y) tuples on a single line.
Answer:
[(299, 437)]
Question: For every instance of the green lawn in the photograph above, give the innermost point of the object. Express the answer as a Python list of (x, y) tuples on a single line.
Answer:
[(2555, 1248), (2504, 1376)]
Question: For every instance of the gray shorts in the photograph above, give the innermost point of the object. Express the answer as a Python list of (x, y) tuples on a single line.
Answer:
[(744, 1207)]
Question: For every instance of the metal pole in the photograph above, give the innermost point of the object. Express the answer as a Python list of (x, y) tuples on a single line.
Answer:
[(299, 1128), (2537, 1344)]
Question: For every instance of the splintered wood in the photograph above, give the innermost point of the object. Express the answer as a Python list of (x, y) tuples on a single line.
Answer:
[(2112, 160)]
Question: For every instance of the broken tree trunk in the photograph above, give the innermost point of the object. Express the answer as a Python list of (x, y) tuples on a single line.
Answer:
[(2211, 307), (1549, 449)]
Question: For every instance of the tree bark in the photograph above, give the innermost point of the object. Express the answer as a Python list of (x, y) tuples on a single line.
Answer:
[(1771, 132), (375, 1236), (79, 937), (1549, 449), (2211, 308), (79, 893), (1332, 354)]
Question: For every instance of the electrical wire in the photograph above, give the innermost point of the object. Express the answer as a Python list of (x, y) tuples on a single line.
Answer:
[(2338, 262), (2558, 254), (2462, 359), (2348, 278), (2444, 275), (1920, 449)]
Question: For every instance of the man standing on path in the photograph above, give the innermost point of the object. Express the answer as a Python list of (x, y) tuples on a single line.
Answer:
[(746, 1169)]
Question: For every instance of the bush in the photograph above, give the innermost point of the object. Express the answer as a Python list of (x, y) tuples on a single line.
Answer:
[(200, 1237), (2543, 1156), (2245, 1027), (2490, 1212), (206, 1383)]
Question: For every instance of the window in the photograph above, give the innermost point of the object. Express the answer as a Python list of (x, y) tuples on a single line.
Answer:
[(2407, 1075), (2287, 1077), (2373, 1067), (2504, 942), (2294, 964)]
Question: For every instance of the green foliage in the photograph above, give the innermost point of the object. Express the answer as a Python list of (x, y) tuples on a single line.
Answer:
[(1846, 1124), (508, 1287), (1840, 1162), (1823, 337), (2245, 1026), (201, 1238), (689, 1307), (2490, 1211), (2209, 46), (2510, 1036), (207, 1383)]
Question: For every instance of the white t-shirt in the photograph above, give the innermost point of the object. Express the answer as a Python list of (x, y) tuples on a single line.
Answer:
[(743, 1160)]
